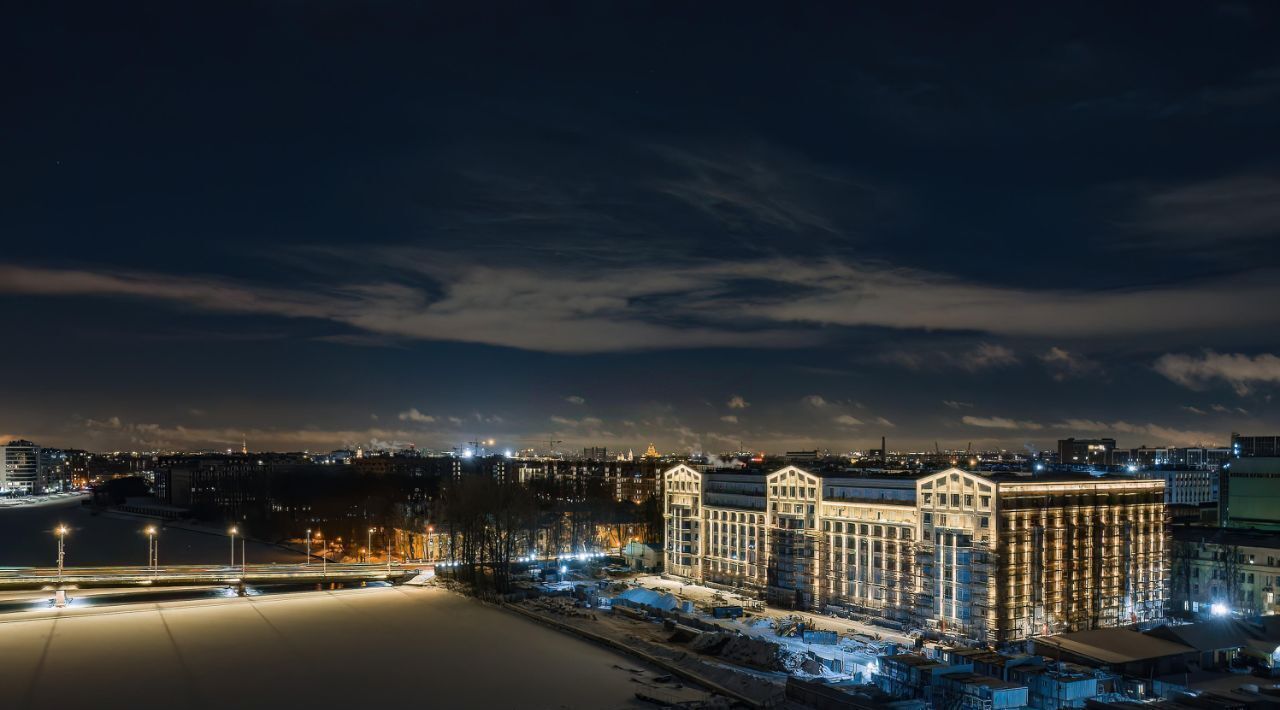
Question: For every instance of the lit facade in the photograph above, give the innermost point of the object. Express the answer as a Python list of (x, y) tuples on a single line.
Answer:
[(1223, 570), (988, 558), (20, 468)]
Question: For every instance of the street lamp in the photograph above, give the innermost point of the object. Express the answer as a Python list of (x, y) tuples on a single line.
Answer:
[(308, 546), (152, 557), (368, 543), (233, 532), (62, 536), (324, 555)]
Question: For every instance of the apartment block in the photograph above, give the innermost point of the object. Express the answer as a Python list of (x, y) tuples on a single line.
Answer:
[(988, 557)]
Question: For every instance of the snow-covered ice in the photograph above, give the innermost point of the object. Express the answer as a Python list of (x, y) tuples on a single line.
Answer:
[(390, 647)]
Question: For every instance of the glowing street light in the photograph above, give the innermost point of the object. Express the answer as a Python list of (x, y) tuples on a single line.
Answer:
[(233, 532), (308, 546), (62, 536), (368, 543), (324, 555), (153, 553)]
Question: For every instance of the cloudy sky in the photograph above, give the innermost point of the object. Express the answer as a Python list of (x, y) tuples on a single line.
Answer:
[(316, 225)]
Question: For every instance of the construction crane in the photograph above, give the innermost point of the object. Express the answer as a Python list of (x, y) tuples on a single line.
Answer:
[(477, 446)]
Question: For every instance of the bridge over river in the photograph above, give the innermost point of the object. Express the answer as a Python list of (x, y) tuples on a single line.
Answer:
[(12, 578)]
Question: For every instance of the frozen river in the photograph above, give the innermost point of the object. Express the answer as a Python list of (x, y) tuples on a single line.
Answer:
[(394, 647), (106, 539)]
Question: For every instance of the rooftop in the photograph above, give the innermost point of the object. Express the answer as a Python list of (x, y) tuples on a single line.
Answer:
[(1114, 645)]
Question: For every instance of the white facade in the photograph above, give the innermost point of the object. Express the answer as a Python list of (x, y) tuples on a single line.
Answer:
[(989, 558), (1189, 487), (20, 470)]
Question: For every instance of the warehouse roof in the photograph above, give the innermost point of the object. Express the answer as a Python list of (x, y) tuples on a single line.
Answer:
[(1114, 645)]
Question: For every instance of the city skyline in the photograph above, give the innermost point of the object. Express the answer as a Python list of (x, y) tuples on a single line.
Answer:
[(368, 227)]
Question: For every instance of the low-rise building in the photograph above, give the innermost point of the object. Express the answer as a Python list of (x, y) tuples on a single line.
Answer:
[(1223, 571)]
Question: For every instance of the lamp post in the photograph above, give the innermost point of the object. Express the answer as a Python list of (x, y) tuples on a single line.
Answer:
[(324, 555), (62, 536), (233, 532), (308, 546), (368, 544), (151, 547)]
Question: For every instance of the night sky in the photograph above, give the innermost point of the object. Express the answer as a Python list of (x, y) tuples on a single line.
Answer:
[(698, 224)]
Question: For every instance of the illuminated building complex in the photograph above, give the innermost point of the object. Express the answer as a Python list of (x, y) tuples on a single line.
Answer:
[(990, 558)]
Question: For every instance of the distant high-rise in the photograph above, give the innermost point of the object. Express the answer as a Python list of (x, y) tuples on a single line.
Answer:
[(20, 468), (1085, 452), (595, 453), (1250, 446)]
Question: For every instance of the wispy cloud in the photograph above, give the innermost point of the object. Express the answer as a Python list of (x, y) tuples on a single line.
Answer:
[(847, 420), (413, 415), (816, 401), (116, 431), (575, 399), (584, 422), (955, 404), (729, 418), (983, 356), (691, 305), (1000, 423), (1215, 214), (1065, 365), (1242, 372), (1150, 433), (1158, 434), (748, 190), (737, 402)]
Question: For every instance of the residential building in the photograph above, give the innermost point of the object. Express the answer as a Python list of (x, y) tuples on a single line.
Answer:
[(1250, 446), (1196, 457), (55, 470), (1085, 452), (1184, 485), (20, 468), (1223, 571), (988, 557)]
